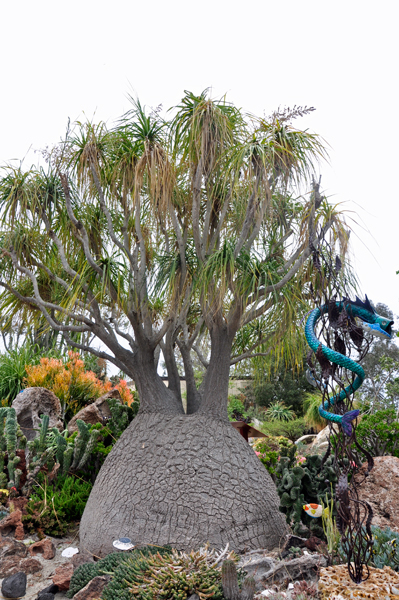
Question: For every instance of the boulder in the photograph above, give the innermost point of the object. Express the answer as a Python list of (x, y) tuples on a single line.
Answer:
[(13, 522), (33, 402), (14, 586), (381, 491), (93, 589), (97, 412), (322, 438), (45, 547), (62, 576)]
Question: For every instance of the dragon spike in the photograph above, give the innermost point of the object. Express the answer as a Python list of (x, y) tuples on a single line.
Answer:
[(366, 304), (347, 419)]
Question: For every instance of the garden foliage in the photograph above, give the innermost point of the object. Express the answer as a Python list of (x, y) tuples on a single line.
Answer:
[(303, 484), (268, 450), (378, 433), (53, 507), (385, 550), (71, 383), (289, 429)]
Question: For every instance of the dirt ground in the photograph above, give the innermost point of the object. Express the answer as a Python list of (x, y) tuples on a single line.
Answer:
[(42, 579)]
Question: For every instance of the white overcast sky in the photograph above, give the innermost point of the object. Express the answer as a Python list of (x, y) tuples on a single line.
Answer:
[(71, 59)]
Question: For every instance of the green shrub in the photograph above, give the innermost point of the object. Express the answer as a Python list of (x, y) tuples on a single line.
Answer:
[(379, 433), (236, 409), (269, 449), (111, 565), (53, 508), (292, 430)]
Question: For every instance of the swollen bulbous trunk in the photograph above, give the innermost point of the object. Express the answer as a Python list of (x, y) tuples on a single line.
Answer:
[(182, 480)]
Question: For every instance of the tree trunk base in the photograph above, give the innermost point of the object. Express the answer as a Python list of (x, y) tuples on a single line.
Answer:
[(182, 480)]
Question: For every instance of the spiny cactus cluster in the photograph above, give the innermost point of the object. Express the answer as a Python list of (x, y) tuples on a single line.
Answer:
[(160, 573), (385, 550), (299, 485), (110, 565), (121, 416), (174, 577), (11, 439)]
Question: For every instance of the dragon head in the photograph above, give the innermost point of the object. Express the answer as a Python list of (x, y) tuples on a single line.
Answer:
[(371, 321)]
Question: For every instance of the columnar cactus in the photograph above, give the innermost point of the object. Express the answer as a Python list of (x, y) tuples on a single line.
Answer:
[(231, 591)]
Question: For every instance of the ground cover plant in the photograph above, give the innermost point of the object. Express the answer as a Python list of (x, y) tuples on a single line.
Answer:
[(53, 507), (152, 572), (385, 550)]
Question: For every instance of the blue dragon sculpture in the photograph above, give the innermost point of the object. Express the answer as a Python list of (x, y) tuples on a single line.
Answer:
[(371, 322)]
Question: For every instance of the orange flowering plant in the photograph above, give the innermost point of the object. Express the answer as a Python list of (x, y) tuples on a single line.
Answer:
[(69, 381)]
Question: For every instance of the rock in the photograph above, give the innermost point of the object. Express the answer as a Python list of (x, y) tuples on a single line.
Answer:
[(21, 502), (321, 439), (45, 547), (381, 490), (381, 584), (266, 570), (13, 521), (80, 559), (33, 402), (10, 547), (30, 565), (62, 576), (9, 566), (48, 593), (14, 586), (13, 564), (97, 412), (93, 589)]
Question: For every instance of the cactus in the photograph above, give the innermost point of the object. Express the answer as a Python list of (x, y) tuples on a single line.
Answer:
[(94, 435), (10, 430), (37, 447), (299, 485), (231, 590), (3, 446), (67, 461), (110, 565), (80, 443)]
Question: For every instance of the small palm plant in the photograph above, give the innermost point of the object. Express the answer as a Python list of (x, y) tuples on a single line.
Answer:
[(279, 412)]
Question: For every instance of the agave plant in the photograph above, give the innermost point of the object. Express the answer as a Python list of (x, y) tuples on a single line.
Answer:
[(279, 412)]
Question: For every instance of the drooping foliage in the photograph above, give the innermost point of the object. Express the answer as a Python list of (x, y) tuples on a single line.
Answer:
[(160, 231)]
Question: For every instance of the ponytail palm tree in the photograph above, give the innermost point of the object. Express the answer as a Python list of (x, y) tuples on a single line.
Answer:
[(152, 236)]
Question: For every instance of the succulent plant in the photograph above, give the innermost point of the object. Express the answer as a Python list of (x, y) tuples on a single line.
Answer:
[(300, 485)]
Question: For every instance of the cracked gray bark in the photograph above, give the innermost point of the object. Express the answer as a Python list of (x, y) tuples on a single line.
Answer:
[(182, 480)]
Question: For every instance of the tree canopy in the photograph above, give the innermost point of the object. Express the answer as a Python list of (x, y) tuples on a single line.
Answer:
[(156, 232)]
